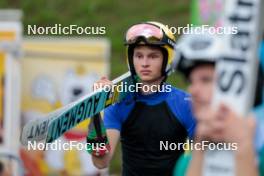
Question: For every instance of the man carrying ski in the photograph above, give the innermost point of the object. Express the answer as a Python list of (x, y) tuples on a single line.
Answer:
[(148, 117)]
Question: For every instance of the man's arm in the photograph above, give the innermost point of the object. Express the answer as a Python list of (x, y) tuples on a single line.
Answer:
[(245, 158), (112, 134), (228, 127), (196, 163), (103, 161)]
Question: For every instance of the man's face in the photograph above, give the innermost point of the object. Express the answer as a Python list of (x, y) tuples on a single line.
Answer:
[(148, 63), (201, 86)]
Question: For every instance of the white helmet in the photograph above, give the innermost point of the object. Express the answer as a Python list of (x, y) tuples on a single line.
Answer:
[(196, 49)]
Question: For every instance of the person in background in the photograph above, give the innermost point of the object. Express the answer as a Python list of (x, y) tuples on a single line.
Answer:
[(197, 57)]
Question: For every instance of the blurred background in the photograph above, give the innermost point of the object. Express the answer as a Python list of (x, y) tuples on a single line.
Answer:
[(40, 73), (115, 15)]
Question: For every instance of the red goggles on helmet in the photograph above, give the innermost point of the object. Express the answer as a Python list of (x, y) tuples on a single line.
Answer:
[(148, 33)]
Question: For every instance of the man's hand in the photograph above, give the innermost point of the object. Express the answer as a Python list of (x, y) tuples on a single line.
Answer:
[(97, 141), (236, 129), (224, 125), (101, 83), (207, 125)]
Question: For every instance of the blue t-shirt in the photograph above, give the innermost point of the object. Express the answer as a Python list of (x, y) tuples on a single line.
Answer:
[(144, 121)]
